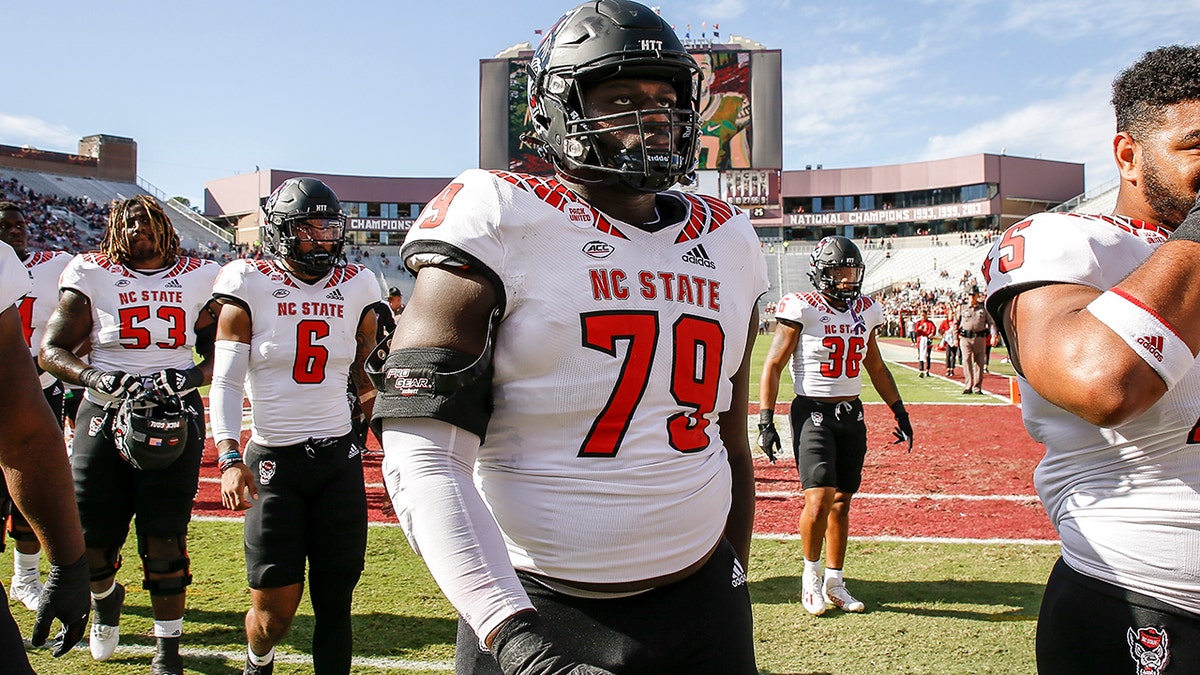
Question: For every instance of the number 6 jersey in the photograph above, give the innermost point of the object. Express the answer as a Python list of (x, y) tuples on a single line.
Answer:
[(302, 345), (614, 357)]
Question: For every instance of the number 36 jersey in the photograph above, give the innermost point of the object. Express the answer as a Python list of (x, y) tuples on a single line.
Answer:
[(614, 357), (302, 345), (828, 358)]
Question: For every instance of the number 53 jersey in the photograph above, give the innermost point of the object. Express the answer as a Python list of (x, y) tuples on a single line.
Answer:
[(614, 357), (142, 322)]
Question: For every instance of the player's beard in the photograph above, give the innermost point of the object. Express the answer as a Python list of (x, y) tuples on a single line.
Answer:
[(1170, 203)]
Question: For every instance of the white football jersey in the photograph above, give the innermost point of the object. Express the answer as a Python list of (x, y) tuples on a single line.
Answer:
[(14, 279), (45, 269), (827, 361), (1123, 500), (614, 358), (142, 322), (301, 347)]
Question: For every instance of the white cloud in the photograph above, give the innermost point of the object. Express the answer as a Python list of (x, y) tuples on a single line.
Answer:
[(1075, 126), (841, 100), (31, 131), (1072, 19)]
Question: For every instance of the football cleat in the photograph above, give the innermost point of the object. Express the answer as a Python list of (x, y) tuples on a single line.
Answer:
[(28, 592), (837, 595), (811, 596), (106, 619)]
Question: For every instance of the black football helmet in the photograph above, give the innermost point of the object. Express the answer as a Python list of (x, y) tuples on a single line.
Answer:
[(150, 431), (836, 253), (601, 40), (303, 199)]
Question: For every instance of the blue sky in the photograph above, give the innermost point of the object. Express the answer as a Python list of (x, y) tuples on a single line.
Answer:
[(212, 89)]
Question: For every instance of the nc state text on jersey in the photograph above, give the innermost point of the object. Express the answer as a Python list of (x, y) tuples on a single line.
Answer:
[(329, 309), (609, 284), (152, 296)]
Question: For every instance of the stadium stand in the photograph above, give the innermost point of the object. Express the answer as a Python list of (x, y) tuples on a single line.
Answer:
[(82, 202)]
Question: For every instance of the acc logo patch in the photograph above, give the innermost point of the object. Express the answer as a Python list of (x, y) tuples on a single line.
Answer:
[(281, 293), (1149, 648), (122, 283), (598, 249)]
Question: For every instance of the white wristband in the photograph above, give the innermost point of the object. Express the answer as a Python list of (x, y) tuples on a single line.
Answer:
[(1146, 333)]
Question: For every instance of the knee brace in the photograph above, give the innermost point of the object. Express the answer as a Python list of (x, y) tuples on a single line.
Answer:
[(19, 529), (165, 586), (112, 563)]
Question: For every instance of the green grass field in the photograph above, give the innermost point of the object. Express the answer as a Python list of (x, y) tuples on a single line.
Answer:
[(931, 608)]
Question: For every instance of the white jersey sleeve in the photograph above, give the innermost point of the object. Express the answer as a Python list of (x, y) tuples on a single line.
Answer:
[(303, 342), (1066, 248), (827, 361), (14, 279), (1123, 500), (613, 361), (45, 269)]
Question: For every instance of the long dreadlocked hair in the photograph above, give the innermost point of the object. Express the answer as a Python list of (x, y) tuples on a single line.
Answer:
[(115, 245)]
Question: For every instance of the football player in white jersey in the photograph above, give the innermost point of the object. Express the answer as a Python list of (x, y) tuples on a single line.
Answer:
[(564, 406), (294, 329), (828, 335), (1102, 319), (144, 308), (33, 455), (44, 269)]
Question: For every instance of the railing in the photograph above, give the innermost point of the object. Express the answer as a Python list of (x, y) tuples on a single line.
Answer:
[(209, 226), (1074, 202)]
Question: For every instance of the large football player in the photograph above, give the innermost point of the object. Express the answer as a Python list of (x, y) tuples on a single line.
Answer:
[(1101, 314), (828, 335), (144, 308), (44, 268), (295, 328), (569, 380), (32, 453)]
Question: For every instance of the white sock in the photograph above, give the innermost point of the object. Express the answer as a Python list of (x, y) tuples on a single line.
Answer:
[(260, 660), (810, 566), (834, 577), (25, 565), (104, 594), (170, 628)]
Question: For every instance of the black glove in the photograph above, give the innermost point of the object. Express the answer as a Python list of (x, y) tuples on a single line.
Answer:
[(903, 431), (768, 436), (67, 598), (172, 382), (523, 648), (114, 383)]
